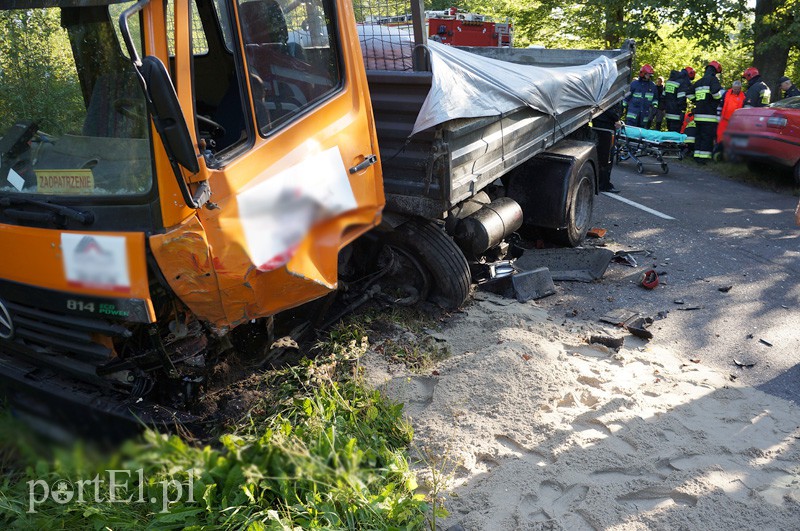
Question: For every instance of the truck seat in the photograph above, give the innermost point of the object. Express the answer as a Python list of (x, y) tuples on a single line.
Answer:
[(117, 108), (284, 87)]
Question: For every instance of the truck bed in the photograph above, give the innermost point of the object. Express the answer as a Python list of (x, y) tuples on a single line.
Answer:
[(432, 171)]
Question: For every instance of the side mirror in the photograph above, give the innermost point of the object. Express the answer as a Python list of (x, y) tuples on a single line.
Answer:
[(167, 113)]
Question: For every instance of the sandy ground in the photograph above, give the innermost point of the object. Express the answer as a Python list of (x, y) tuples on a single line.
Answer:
[(527, 426)]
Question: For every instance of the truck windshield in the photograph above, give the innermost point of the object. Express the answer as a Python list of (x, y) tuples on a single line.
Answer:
[(73, 117)]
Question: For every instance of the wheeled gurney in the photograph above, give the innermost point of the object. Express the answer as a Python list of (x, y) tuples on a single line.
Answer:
[(636, 143)]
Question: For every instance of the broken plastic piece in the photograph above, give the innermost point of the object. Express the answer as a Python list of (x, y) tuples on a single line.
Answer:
[(745, 364), (533, 284), (639, 326), (649, 279), (596, 232), (725, 289), (764, 341)]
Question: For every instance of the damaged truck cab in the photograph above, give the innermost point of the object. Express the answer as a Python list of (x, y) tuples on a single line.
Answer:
[(175, 170), (185, 179)]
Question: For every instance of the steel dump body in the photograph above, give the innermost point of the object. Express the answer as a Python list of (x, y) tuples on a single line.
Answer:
[(432, 171)]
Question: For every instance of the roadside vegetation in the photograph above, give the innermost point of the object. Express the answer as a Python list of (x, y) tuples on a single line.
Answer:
[(762, 175), (319, 450)]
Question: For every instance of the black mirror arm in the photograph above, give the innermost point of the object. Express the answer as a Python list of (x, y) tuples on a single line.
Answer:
[(167, 114), (126, 32)]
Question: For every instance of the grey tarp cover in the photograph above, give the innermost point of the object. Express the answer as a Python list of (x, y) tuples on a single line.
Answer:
[(466, 85)]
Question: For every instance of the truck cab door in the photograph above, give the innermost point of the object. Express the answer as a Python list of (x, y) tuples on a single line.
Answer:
[(297, 176)]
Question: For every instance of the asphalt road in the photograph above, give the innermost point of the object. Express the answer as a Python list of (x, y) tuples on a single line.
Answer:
[(724, 233)]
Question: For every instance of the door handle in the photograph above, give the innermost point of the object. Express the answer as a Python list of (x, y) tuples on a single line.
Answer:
[(368, 161)]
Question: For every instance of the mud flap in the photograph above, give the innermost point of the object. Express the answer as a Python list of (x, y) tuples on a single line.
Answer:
[(543, 185)]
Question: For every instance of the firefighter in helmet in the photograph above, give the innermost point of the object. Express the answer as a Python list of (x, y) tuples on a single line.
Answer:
[(676, 91), (758, 93), (707, 98), (642, 98)]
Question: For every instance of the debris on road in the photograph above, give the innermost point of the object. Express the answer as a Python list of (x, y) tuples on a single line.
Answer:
[(725, 289), (765, 342), (678, 301), (649, 279), (619, 317), (608, 341), (744, 364), (596, 232), (579, 264), (533, 284), (624, 257), (639, 326), (688, 308)]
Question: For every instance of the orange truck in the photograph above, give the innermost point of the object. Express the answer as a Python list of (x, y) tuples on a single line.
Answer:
[(186, 178)]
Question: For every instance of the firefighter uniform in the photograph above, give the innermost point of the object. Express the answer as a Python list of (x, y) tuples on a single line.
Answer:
[(641, 99), (758, 93), (707, 98), (676, 91)]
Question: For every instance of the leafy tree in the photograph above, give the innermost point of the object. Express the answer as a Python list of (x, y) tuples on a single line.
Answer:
[(37, 74), (777, 35), (607, 23), (676, 53)]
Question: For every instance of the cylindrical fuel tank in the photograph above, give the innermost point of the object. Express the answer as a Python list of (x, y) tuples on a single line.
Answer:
[(488, 226)]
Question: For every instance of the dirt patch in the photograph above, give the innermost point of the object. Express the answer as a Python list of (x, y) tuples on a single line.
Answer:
[(535, 428)]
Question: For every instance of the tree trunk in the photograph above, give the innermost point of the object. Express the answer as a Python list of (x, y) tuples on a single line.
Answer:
[(771, 52), (615, 17)]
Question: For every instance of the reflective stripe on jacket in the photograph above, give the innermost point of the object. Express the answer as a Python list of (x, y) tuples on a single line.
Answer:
[(642, 98), (707, 96), (758, 93), (676, 90)]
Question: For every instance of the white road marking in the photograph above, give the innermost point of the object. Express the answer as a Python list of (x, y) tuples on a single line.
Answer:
[(637, 205)]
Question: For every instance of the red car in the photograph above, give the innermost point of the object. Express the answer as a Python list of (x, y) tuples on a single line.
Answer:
[(768, 134)]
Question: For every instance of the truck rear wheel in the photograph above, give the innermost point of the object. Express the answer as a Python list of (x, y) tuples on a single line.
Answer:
[(436, 258), (579, 210)]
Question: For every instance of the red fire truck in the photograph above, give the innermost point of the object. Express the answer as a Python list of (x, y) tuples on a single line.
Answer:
[(468, 29)]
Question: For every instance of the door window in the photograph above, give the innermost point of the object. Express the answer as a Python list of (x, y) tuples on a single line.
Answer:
[(291, 55)]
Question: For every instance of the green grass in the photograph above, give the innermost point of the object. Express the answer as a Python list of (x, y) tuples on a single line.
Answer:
[(764, 176), (322, 452)]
